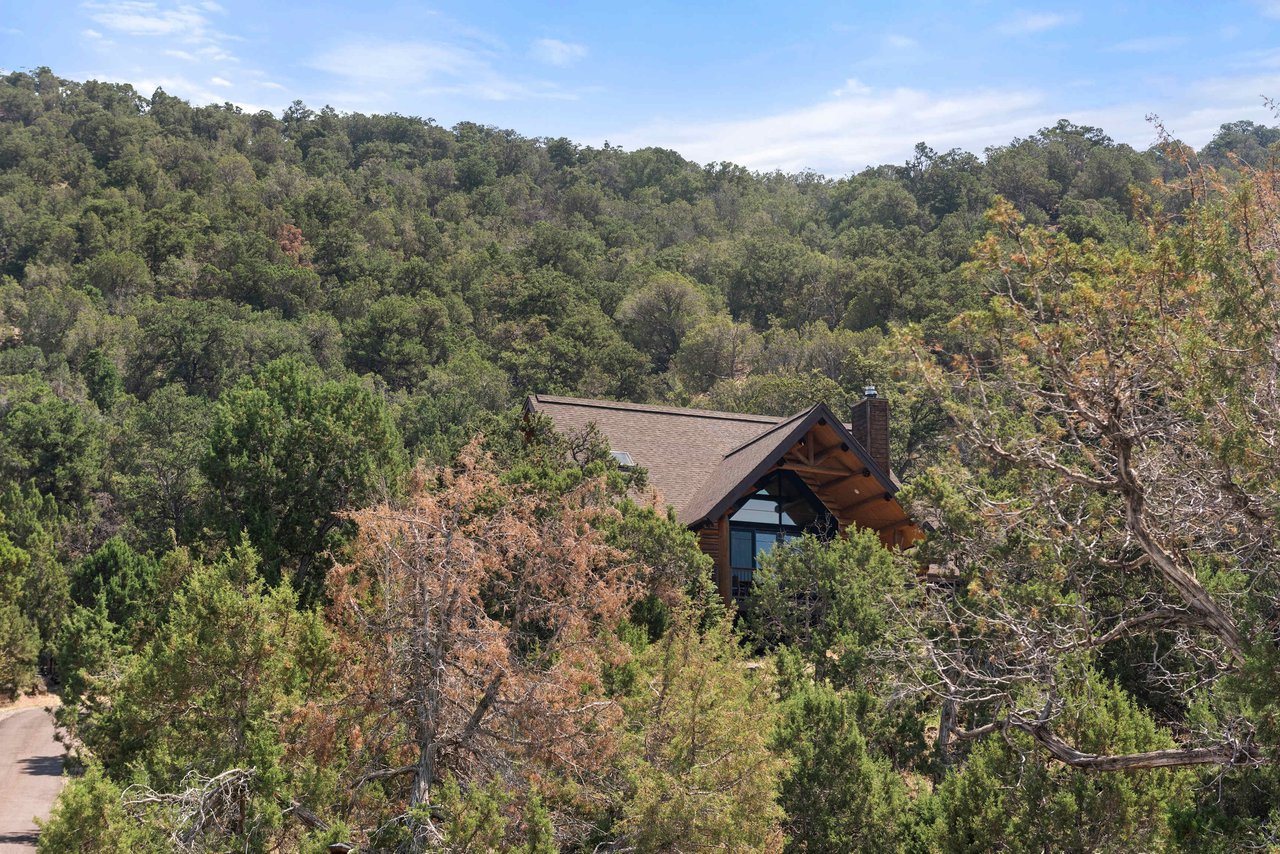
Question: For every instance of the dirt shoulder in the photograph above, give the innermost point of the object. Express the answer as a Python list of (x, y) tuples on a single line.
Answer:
[(32, 701)]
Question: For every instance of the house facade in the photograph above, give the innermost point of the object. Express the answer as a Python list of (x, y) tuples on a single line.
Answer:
[(747, 482)]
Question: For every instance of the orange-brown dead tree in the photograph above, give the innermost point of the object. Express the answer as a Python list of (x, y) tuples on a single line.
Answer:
[(478, 621)]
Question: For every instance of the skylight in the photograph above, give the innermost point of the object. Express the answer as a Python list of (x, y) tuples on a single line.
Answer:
[(623, 458)]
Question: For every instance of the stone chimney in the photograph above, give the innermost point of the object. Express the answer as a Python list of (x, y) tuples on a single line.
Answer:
[(870, 422)]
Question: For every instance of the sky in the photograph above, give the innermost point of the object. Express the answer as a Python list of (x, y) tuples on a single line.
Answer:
[(831, 87)]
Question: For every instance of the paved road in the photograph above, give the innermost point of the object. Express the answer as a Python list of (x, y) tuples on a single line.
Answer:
[(30, 776)]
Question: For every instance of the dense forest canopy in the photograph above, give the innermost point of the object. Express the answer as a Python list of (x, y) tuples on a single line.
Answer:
[(245, 358)]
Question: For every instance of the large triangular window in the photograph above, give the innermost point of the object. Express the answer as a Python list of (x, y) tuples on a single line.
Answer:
[(781, 507)]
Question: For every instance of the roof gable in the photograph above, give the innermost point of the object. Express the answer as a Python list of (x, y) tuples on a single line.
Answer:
[(742, 467), (702, 461)]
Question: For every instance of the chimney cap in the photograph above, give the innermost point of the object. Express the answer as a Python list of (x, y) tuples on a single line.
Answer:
[(869, 391)]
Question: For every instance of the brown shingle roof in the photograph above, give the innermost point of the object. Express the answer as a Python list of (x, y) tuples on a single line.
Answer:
[(680, 448), (739, 464), (696, 458)]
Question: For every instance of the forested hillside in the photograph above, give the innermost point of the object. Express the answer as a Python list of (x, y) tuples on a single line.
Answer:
[(259, 379)]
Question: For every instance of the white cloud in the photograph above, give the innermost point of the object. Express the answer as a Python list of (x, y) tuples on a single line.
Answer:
[(1269, 8), (1212, 102), (852, 87), (398, 63), (858, 126), (177, 24), (1149, 44), (1025, 23), (177, 45), (556, 52), (197, 93), (897, 42), (379, 68), (142, 18)]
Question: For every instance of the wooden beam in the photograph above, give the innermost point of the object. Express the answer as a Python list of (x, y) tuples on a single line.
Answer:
[(893, 526), (723, 570), (805, 467), (800, 462), (883, 496), (849, 478), (826, 454)]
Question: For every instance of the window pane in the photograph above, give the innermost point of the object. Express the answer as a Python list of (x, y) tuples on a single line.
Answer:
[(765, 542), (759, 510), (800, 507), (741, 550)]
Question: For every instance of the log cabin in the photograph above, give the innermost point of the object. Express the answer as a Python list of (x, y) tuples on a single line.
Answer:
[(747, 482)]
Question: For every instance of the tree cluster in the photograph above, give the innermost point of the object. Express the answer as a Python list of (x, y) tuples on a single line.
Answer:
[(270, 520)]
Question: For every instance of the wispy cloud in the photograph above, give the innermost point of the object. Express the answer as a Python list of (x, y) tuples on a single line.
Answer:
[(1149, 44), (187, 24), (430, 67), (403, 63), (899, 42), (181, 46), (1026, 23), (141, 18), (193, 90), (852, 87), (855, 127), (556, 52), (1269, 8)]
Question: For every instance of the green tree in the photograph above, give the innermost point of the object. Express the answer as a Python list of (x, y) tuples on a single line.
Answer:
[(125, 583), (837, 795), (656, 316), (289, 451), (36, 577), (400, 338), (19, 636), (157, 474), (198, 714), (119, 276), (89, 816), (701, 772), (55, 442), (1007, 797), (716, 349), (833, 602)]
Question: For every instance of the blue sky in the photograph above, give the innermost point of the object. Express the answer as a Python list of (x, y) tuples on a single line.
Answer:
[(795, 85)]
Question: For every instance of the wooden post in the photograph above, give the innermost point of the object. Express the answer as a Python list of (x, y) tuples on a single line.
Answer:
[(723, 568)]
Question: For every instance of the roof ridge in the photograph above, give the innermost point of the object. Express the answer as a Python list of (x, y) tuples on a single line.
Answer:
[(683, 412), (799, 415)]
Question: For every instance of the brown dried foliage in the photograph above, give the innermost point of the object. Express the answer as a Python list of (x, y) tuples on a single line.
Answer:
[(478, 621), (291, 242), (1124, 407)]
